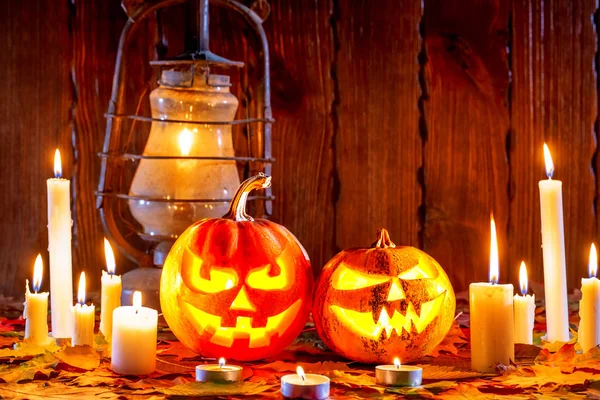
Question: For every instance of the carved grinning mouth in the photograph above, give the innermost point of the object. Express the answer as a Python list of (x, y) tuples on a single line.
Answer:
[(363, 321), (225, 336)]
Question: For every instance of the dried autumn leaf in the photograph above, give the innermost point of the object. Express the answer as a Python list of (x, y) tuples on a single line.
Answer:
[(24, 349), (453, 340), (82, 357), (439, 372), (42, 364), (317, 368), (362, 380), (216, 389), (178, 350), (538, 376), (424, 391)]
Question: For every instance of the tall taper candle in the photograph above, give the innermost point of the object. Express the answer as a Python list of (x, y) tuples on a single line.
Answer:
[(553, 246), (524, 305), (59, 246), (589, 306)]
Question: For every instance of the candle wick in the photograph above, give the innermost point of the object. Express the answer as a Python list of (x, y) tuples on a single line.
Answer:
[(303, 378)]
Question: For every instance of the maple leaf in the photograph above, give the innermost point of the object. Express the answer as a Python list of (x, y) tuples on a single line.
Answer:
[(440, 372), (216, 389), (424, 391), (353, 381), (539, 376), (25, 349), (82, 357), (178, 350), (453, 340), (42, 364)]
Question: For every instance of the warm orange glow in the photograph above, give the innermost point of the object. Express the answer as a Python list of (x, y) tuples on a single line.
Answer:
[(260, 279), (137, 300), (242, 302), (345, 278), (300, 372), (186, 139), (57, 164), (593, 263), (221, 362), (81, 289), (220, 279), (38, 268), (548, 162), (397, 363), (523, 281), (109, 256), (494, 263)]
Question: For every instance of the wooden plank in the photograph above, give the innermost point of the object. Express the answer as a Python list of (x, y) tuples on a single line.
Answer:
[(553, 100), (466, 171), (36, 98), (378, 145)]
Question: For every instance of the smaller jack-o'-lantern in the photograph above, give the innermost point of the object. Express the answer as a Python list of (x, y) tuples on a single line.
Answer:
[(372, 305), (236, 287)]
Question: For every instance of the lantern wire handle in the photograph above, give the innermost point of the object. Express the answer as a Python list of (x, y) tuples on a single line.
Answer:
[(383, 239), (237, 209)]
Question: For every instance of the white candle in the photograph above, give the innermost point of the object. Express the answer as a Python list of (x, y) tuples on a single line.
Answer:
[(398, 374), (492, 324), (111, 293), (83, 318), (524, 308), (589, 306), (220, 372), (134, 338), (35, 309), (553, 246), (304, 386), (59, 246)]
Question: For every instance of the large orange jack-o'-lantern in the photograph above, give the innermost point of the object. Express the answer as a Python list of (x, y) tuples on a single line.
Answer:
[(236, 287), (372, 305)]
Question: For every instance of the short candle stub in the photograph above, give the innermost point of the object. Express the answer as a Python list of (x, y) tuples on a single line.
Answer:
[(398, 375), (219, 373)]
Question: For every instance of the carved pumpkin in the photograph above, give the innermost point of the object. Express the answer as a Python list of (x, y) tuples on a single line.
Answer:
[(374, 304), (236, 287)]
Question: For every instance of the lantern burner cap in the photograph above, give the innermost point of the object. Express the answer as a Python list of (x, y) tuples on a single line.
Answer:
[(201, 58)]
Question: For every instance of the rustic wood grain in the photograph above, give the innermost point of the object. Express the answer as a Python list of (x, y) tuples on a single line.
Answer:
[(553, 100), (378, 144), (466, 171)]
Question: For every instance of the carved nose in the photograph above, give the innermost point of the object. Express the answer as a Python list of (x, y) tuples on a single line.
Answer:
[(396, 292), (242, 302)]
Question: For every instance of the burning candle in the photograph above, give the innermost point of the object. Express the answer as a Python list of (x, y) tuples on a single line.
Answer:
[(59, 245), (83, 318), (524, 308), (304, 386), (134, 338), (553, 246), (35, 309), (589, 306), (111, 292), (218, 372), (492, 324), (398, 374)]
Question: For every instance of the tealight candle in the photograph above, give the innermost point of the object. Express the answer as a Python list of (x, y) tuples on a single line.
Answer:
[(524, 309), (111, 293), (83, 318), (218, 372), (398, 374), (35, 309), (304, 386), (589, 306)]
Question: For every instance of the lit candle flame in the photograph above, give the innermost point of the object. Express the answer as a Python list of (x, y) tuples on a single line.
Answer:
[(523, 281), (300, 372), (186, 139), (593, 264), (109, 256), (137, 301), (397, 363), (221, 362), (548, 161), (494, 263), (229, 284), (81, 289), (38, 269), (57, 164)]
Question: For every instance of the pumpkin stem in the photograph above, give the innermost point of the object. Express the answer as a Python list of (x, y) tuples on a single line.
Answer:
[(237, 208), (383, 239)]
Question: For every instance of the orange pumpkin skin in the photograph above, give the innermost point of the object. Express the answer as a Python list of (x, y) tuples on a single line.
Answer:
[(235, 287), (358, 286)]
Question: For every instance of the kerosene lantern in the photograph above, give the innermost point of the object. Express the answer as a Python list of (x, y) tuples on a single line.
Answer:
[(188, 169)]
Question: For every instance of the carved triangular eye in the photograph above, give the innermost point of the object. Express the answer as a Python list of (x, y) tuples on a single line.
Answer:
[(345, 278), (423, 270)]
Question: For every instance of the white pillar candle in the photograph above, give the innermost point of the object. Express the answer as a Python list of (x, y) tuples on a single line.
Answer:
[(134, 338), (304, 386), (111, 293), (553, 246), (589, 306), (35, 309), (83, 318), (524, 309), (59, 246), (492, 324)]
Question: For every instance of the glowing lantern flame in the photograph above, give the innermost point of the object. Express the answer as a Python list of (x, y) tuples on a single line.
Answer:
[(397, 363), (593, 264), (185, 140), (300, 372), (81, 289), (494, 263), (548, 161), (137, 300), (57, 164), (221, 362), (38, 268), (523, 281), (109, 256)]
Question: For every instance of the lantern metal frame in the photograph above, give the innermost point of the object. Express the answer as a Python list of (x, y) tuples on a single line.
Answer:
[(113, 161)]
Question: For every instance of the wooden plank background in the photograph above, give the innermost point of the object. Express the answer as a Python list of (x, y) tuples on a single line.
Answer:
[(423, 117)]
